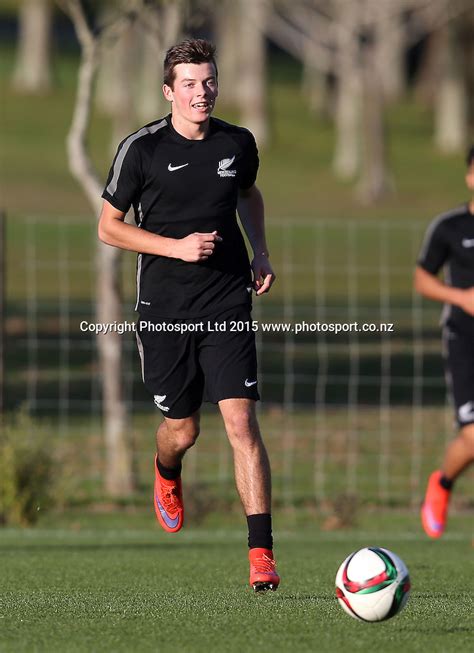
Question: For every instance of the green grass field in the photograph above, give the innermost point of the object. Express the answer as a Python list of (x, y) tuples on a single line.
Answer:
[(123, 585)]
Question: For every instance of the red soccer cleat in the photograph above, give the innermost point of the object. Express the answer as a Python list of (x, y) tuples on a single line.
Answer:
[(263, 575), (168, 502), (434, 510)]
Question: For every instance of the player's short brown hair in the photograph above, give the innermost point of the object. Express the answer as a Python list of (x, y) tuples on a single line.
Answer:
[(188, 51)]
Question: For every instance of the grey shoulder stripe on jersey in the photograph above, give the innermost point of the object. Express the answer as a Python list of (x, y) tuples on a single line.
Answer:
[(112, 187), (440, 218)]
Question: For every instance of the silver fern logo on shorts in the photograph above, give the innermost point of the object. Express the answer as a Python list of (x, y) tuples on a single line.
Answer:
[(223, 168), (466, 412), (159, 399)]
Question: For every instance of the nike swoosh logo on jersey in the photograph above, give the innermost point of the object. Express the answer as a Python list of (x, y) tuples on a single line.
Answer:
[(171, 523), (171, 168), (249, 384)]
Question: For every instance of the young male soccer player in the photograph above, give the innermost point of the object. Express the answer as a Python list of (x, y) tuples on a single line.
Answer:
[(449, 242), (185, 176)]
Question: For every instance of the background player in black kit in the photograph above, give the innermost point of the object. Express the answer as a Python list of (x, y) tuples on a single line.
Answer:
[(185, 175), (449, 243)]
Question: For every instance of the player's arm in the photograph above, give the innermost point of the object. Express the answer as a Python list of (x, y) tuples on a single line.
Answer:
[(251, 212), (113, 230), (430, 286)]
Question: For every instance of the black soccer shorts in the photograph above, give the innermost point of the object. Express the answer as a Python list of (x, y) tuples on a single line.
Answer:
[(187, 361), (459, 366)]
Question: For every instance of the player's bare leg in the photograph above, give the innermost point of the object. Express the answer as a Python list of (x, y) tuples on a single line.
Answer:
[(253, 480), (459, 454), (252, 467), (173, 438)]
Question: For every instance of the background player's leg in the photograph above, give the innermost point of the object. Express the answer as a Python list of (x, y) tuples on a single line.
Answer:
[(458, 353), (460, 453), (252, 468)]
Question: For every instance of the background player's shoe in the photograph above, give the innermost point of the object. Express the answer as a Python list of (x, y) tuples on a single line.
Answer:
[(168, 502), (263, 575), (434, 510)]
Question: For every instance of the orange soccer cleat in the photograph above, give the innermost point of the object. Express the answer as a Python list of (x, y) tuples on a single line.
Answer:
[(168, 502), (263, 575), (434, 510)]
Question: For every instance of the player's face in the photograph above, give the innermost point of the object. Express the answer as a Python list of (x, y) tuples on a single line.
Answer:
[(194, 92), (470, 177)]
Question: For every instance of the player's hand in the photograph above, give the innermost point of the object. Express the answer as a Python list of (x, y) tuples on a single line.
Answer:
[(467, 301), (263, 275), (197, 246)]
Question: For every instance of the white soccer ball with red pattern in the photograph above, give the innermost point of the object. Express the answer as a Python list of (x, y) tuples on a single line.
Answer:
[(372, 584)]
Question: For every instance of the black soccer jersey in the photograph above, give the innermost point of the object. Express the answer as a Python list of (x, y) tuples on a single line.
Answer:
[(449, 243), (177, 187)]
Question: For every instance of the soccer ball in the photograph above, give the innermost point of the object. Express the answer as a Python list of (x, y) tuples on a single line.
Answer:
[(372, 584)]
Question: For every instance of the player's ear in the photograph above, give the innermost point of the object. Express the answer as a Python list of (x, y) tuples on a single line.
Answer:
[(470, 178), (168, 92)]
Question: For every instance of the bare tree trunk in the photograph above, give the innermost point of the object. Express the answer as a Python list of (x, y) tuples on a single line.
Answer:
[(118, 470), (314, 85), (2, 314), (426, 80), (451, 100), (375, 182), (123, 115), (108, 92), (347, 154), (151, 103), (467, 47), (116, 83), (229, 49), (390, 50), (32, 72), (253, 73)]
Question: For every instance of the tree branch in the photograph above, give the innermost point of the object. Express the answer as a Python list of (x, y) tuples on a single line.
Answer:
[(80, 162), (118, 476), (298, 43), (75, 11)]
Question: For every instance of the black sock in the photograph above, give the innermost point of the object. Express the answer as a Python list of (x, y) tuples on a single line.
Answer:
[(445, 482), (169, 473), (260, 531)]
